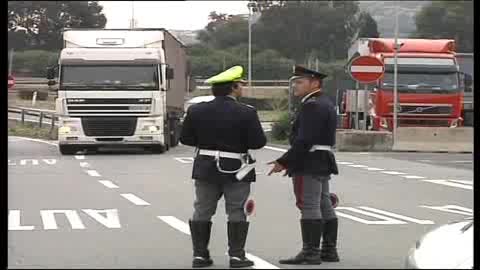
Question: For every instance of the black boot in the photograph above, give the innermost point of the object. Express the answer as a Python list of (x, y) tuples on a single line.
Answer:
[(329, 243), (200, 232), (310, 253), (237, 236)]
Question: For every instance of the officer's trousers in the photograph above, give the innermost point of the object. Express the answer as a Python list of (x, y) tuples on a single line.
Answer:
[(207, 195), (312, 193)]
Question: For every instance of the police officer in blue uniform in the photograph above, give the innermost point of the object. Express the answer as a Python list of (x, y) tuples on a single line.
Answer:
[(311, 162), (222, 130)]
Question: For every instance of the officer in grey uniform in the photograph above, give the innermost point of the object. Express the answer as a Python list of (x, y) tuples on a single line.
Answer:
[(311, 162), (222, 130)]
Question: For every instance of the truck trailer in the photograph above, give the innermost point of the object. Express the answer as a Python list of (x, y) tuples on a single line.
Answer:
[(430, 85), (120, 87)]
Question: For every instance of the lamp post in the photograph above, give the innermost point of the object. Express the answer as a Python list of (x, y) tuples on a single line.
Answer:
[(395, 77), (253, 17)]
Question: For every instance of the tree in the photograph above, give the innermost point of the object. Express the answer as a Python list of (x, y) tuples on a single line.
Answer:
[(224, 31), (304, 29), (368, 26), (447, 19), (44, 20)]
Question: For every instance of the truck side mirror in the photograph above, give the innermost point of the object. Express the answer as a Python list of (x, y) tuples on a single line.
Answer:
[(51, 82), (50, 73), (169, 73)]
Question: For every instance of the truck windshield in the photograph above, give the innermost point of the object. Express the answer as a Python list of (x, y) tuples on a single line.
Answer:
[(108, 77), (417, 82)]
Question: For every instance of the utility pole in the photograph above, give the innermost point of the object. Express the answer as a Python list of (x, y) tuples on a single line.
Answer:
[(395, 77), (132, 21)]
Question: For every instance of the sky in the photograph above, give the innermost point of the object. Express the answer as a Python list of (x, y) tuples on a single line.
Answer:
[(175, 15)]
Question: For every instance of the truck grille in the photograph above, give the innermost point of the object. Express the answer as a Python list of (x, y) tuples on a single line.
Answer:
[(109, 126), (423, 110), (423, 123), (110, 106)]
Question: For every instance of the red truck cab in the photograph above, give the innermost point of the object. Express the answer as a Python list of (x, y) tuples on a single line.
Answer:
[(429, 85)]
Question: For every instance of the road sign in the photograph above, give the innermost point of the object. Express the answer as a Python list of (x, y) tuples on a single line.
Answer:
[(366, 69), (11, 81)]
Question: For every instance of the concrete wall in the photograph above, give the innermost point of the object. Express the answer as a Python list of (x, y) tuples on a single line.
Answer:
[(363, 141)]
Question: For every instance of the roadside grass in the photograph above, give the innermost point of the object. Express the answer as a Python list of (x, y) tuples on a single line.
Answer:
[(269, 116), (29, 130), (271, 140)]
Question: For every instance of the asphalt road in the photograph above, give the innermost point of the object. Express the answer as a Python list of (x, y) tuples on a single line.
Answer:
[(129, 209)]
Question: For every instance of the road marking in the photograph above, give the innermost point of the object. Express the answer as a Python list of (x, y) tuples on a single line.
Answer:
[(84, 164), (184, 159), (451, 184), (134, 199), (383, 219), (462, 161), (14, 223), (184, 228), (344, 163), (425, 160), (374, 169), (80, 157), (49, 223), (275, 148), (176, 223), (110, 220), (50, 161), (24, 161), (393, 173), (465, 182), (93, 173), (108, 184), (358, 166), (452, 209), (10, 163), (383, 212), (36, 140), (412, 177)]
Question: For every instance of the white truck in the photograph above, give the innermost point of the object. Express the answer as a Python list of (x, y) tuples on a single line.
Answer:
[(117, 88)]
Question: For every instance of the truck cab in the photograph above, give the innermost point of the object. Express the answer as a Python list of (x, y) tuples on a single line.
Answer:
[(116, 87)]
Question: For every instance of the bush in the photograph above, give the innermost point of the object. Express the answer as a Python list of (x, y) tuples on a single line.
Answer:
[(34, 62), (281, 129)]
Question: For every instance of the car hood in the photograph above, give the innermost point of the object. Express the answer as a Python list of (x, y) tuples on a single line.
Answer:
[(447, 247)]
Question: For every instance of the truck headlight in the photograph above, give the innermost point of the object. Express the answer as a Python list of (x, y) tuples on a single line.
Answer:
[(151, 128), (66, 129)]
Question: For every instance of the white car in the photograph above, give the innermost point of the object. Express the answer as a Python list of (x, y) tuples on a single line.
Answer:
[(198, 99), (448, 246)]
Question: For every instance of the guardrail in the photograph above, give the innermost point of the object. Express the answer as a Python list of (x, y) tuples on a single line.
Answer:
[(41, 114)]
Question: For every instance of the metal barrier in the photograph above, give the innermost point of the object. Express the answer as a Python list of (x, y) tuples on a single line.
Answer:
[(41, 114)]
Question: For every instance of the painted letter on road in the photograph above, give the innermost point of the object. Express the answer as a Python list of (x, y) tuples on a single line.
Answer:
[(49, 222), (110, 220)]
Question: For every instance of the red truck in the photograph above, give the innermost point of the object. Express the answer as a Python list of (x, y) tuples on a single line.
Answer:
[(430, 85)]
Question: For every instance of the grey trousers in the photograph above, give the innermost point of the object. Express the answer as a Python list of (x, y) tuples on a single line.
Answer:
[(312, 193), (207, 195)]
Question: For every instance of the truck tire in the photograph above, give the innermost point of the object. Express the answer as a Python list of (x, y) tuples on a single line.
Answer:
[(67, 149), (174, 135)]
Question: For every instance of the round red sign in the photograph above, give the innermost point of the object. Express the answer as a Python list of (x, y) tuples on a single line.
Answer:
[(366, 69)]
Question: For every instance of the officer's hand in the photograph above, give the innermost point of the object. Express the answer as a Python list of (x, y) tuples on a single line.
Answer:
[(276, 168)]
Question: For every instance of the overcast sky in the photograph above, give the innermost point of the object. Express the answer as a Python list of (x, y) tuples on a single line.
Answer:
[(177, 15)]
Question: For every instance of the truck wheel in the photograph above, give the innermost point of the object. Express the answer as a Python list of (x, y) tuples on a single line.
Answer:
[(67, 149)]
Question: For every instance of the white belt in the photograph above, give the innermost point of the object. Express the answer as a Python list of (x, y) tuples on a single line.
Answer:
[(222, 154), (321, 147)]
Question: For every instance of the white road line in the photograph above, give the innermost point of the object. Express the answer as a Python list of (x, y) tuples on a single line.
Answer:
[(412, 177), (275, 149), (358, 166), (462, 161), (108, 184), (36, 140), (393, 173), (84, 164), (397, 215), (185, 160), (134, 199), (374, 169), (452, 209), (344, 163), (447, 183), (93, 173), (425, 160), (184, 228), (465, 182), (80, 157)]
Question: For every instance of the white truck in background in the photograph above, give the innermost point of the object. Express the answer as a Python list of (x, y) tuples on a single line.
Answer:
[(117, 88)]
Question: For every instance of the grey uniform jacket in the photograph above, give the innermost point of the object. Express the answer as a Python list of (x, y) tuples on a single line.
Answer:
[(226, 125)]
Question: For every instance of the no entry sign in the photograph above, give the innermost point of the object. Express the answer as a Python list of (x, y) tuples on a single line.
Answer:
[(366, 69)]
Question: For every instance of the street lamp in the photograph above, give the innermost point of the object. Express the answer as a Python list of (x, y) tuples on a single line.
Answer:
[(253, 17)]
